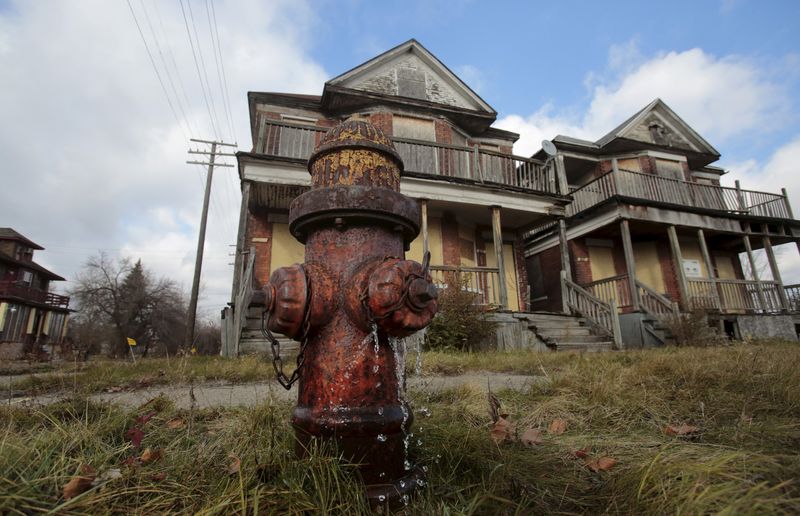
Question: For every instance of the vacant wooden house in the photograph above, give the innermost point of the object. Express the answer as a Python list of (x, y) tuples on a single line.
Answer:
[(476, 197), (651, 230), (30, 315)]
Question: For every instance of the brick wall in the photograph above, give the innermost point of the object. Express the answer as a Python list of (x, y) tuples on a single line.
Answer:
[(581, 267), (258, 228), (383, 121), (451, 249), (444, 133), (648, 164), (668, 270), (602, 168), (522, 275)]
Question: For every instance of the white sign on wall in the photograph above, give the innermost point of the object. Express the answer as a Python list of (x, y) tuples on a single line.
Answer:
[(691, 268)]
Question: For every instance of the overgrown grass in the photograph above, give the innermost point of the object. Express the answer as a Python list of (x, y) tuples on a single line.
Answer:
[(98, 375), (744, 399)]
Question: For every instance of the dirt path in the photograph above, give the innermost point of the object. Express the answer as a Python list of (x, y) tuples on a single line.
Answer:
[(228, 395)]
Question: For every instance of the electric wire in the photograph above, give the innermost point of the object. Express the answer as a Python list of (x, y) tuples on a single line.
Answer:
[(197, 67), (223, 80), (203, 66)]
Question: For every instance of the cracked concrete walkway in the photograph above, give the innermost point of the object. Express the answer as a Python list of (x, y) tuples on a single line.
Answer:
[(249, 394)]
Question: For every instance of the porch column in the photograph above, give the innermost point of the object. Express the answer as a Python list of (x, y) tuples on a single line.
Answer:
[(787, 203), (710, 268), (615, 176), (630, 263), (754, 271), (561, 174), (423, 209), (238, 265), (498, 252), (776, 274), (677, 260), (566, 268)]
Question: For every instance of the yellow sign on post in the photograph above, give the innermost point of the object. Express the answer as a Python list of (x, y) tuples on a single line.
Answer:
[(131, 342)]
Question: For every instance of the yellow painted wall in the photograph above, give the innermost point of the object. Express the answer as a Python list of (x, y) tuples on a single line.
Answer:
[(31, 320), (3, 310), (648, 268), (511, 272), (466, 237), (631, 164), (64, 328), (285, 249), (602, 262), (46, 324), (434, 244), (725, 266)]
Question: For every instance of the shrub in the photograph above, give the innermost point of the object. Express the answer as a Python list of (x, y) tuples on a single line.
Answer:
[(692, 329), (461, 323)]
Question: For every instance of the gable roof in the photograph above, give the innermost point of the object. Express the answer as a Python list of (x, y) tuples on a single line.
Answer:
[(10, 234), (680, 134), (30, 265), (379, 75)]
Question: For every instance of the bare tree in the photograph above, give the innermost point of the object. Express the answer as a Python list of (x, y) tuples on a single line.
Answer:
[(121, 300)]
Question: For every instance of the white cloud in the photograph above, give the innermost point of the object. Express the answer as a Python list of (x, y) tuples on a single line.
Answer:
[(93, 157), (721, 98)]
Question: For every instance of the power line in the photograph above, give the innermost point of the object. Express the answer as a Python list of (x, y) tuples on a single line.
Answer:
[(153, 63), (197, 67), (223, 82), (203, 64)]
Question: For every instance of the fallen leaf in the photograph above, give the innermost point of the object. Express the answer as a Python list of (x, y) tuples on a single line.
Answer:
[(581, 454), (158, 477), (175, 423), (114, 388), (235, 465), (142, 420), (557, 427), (149, 455), (130, 461), (80, 483), (107, 476), (531, 437), (135, 436), (501, 431), (682, 429), (601, 464)]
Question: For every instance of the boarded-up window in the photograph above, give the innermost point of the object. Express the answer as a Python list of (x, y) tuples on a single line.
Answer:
[(411, 83), (414, 128), (670, 169), (535, 278), (631, 164)]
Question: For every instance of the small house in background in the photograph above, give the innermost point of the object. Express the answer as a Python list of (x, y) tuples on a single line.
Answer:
[(31, 317), (651, 231)]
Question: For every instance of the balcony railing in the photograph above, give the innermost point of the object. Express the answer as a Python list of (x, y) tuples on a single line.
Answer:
[(19, 290), (615, 288), (793, 296), (295, 141), (734, 295), (484, 282), (677, 192)]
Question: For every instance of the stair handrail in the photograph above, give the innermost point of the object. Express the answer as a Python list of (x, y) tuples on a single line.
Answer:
[(662, 306), (601, 314), (243, 300)]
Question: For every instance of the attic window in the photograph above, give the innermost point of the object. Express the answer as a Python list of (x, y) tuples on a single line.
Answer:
[(294, 119), (411, 83)]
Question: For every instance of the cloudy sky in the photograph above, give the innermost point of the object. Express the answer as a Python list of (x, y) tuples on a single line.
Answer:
[(94, 139)]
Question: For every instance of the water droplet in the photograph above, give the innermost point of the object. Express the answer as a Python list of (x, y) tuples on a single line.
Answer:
[(407, 465), (420, 482), (382, 474), (425, 411), (418, 363), (405, 499), (380, 411), (402, 484), (381, 498), (425, 468), (381, 438), (376, 368), (419, 442)]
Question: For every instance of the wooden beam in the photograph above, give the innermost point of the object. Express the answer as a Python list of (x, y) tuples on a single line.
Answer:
[(423, 208), (561, 174), (615, 176), (497, 234), (677, 260), (566, 268), (710, 268), (788, 204), (776, 273), (238, 261), (630, 262), (754, 271)]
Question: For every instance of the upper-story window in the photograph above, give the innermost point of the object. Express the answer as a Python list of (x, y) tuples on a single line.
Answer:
[(24, 254), (27, 277), (413, 128), (670, 169)]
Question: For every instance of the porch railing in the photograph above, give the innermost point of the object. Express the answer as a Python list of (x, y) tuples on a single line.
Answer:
[(677, 192), (653, 303), (277, 138), (25, 292), (484, 282), (734, 295), (793, 296), (603, 315), (614, 288)]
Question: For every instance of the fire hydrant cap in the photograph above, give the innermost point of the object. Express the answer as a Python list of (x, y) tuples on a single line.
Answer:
[(355, 134)]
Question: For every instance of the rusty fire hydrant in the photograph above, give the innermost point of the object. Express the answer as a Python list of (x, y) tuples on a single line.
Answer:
[(350, 303)]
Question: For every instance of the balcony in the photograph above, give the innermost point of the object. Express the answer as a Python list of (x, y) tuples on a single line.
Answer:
[(23, 292), (675, 192), (427, 159)]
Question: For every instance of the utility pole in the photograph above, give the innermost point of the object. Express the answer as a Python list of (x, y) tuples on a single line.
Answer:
[(201, 240)]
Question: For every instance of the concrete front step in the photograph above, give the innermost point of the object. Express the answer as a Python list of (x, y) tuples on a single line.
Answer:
[(583, 346)]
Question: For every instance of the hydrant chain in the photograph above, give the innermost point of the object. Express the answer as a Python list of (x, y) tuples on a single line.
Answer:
[(277, 362)]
